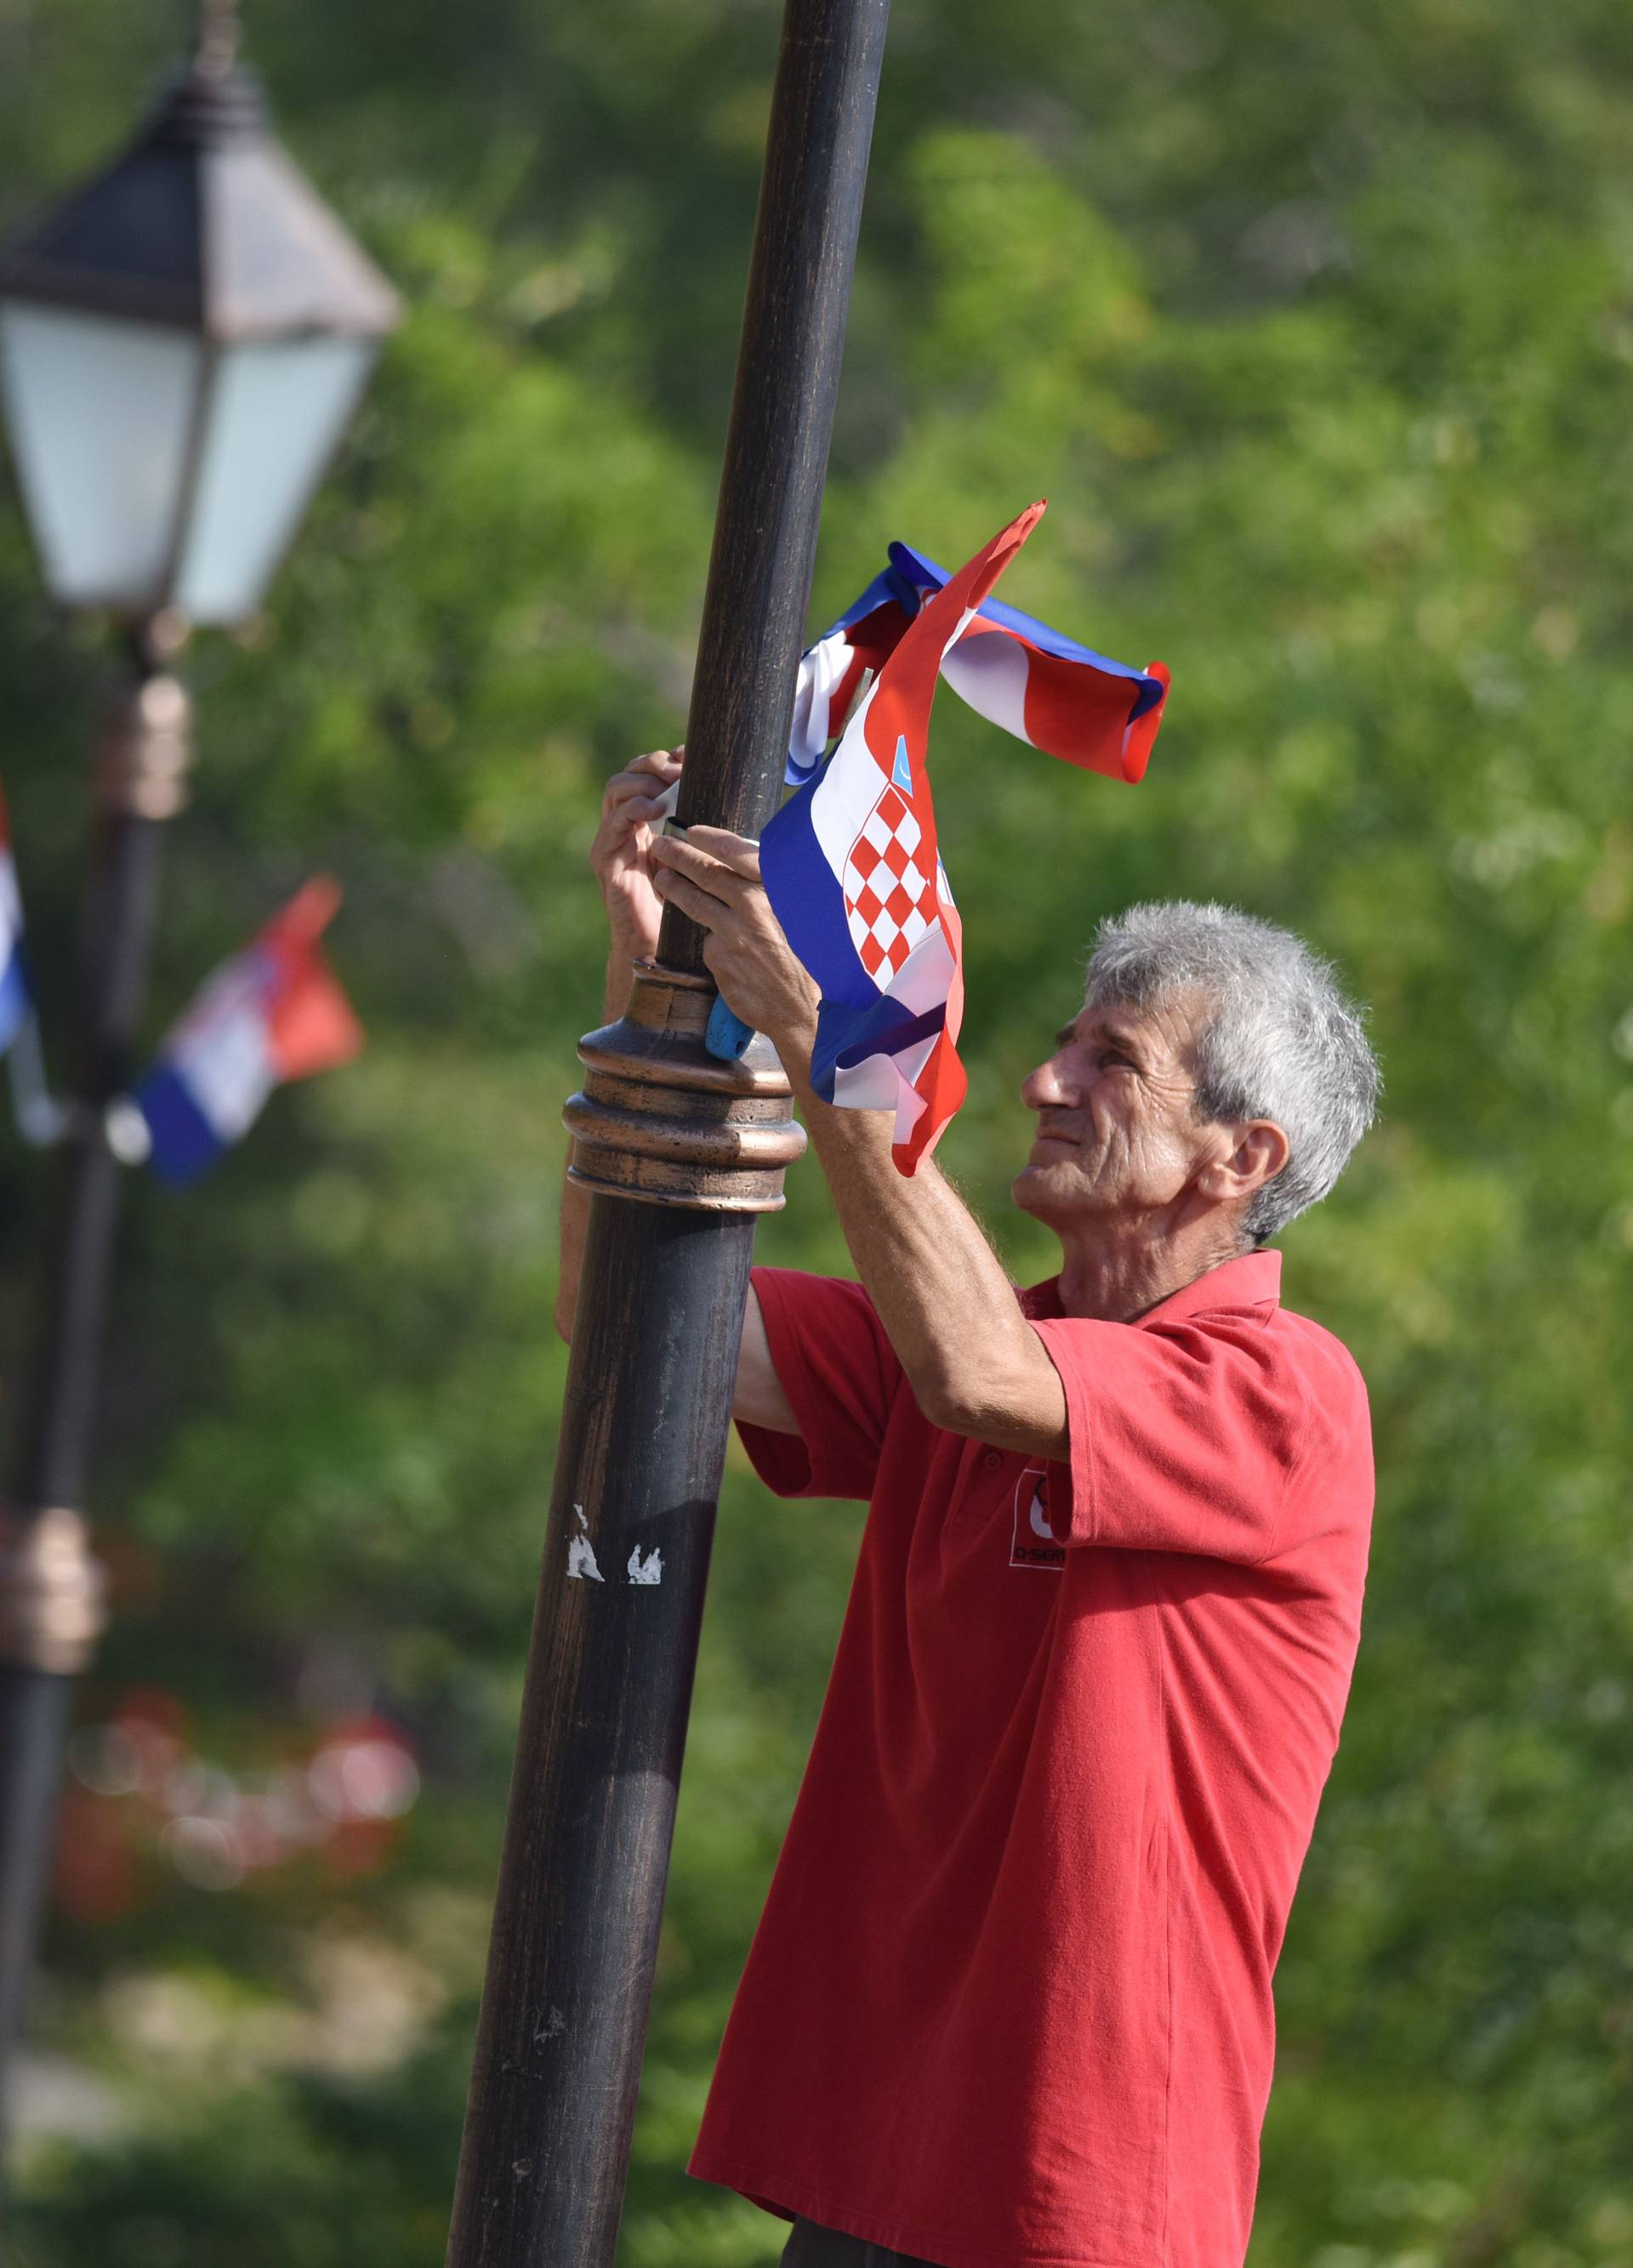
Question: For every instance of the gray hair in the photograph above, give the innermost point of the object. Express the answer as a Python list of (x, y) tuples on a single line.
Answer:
[(1279, 1040)]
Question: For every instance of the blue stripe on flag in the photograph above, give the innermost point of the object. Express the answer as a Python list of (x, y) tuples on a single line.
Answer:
[(892, 1035), (846, 1038), (13, 999), (185, 1144), (889, 587)]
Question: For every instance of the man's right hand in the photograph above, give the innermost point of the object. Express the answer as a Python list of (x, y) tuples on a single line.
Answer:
[(621, 854), (620, 859)]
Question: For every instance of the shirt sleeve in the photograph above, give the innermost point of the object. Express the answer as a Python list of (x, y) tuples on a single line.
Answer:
[(841, 1373), (1184, 1436)]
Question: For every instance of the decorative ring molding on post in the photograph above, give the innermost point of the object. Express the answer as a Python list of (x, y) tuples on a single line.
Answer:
[(52, 1592), (146, 752), (661, 1120)]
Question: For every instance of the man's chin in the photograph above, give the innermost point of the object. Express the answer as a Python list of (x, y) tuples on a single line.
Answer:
[(1055, 1189), (1040, 1187)]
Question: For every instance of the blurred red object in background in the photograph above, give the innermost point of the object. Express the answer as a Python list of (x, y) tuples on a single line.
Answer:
[(141, 1797)]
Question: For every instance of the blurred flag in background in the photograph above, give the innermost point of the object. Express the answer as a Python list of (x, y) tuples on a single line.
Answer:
[(14, 995), (274, 1012)]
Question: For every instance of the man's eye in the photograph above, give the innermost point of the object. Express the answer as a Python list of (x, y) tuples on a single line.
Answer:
[(1110, 1056)]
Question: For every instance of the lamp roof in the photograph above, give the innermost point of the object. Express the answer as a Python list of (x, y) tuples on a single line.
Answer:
[(205, 223)]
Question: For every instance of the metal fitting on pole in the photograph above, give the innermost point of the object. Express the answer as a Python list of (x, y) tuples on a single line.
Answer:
[(661, 1120), (147, 751), (52, 1592)]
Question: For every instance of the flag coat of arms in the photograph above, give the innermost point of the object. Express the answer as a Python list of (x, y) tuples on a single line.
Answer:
[(272, 1012), (1015, 671), (854, 874), (14, 995)]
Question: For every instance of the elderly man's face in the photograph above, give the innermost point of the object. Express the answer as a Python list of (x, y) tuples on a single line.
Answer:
[(1117, 1128)]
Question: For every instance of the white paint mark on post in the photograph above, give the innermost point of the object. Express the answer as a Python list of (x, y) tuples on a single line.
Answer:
[(649, 1570), (580, 1555)]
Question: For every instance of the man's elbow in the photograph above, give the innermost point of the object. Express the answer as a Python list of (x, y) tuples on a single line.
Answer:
[(993, 1404), (953, 1399), (563, 1318)]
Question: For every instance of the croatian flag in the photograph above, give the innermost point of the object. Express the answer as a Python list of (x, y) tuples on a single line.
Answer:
[(1016, 672), (851, 866), (14, 995), (273, 1012)]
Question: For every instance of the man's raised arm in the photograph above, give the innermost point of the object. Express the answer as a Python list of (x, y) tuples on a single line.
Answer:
[(974, 1363)]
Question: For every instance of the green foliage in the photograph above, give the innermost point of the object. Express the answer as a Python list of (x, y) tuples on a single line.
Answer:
[(1315, 328)]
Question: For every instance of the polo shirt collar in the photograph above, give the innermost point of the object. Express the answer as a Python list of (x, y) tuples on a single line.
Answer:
[(1253, 1280)]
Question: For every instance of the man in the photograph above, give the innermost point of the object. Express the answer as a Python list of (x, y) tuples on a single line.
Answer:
[(1010, 2004)]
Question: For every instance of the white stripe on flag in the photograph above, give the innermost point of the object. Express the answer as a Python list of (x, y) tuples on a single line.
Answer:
[(884, 1082), (10, 904), (223, 1053), (989, 672), (821, 671), (871, 1085), (925, 977), (847, 790)]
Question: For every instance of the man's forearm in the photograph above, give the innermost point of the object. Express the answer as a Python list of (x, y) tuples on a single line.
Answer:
[(948, 1307)]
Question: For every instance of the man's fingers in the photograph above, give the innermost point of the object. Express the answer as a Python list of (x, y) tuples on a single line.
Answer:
[(676, 890), (624, 787), (736, 851), (647, 775), (685, 856)]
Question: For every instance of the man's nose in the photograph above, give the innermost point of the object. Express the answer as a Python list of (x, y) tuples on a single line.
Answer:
[(1042, 1089)]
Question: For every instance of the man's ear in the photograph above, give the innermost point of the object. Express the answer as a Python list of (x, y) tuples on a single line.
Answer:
[(1260, 1152)]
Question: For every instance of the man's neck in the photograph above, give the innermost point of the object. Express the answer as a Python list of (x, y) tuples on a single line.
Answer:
[(1116, 1278)]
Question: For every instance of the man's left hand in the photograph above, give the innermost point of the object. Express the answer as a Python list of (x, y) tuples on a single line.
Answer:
[(713, 876)]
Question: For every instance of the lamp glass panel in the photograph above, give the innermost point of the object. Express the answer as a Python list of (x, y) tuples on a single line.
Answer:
[(278, 408), (99, 411)]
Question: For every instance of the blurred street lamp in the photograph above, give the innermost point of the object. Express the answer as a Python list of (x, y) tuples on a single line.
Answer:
[(182, 341)]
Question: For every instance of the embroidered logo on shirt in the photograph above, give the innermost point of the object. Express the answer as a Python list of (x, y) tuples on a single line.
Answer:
[(1032, 1544)]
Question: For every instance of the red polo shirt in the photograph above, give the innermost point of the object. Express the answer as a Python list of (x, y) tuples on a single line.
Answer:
[(1009, 2001)]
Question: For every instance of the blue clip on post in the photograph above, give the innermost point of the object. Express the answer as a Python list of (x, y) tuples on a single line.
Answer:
[(728, 1035)]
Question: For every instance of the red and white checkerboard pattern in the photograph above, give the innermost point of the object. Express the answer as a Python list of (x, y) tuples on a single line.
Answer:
[(890, 894)]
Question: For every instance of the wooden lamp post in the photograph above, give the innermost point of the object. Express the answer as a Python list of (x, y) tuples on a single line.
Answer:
[(681, 1154)]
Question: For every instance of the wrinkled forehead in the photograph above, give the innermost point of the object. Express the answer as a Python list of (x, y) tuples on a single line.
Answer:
[(1162, 1021)]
